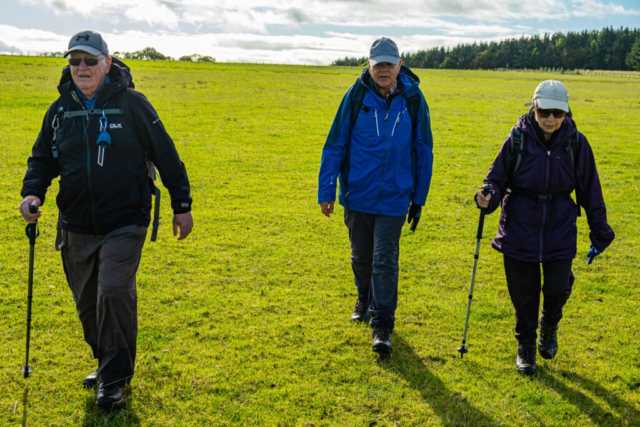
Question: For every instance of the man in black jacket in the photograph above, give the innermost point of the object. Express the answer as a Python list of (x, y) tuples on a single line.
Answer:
[(100, 136)]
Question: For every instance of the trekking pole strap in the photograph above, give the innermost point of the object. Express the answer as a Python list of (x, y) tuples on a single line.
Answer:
[(156, 214)]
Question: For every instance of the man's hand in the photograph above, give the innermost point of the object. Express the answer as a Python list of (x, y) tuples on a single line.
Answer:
[(481, 200), (414, 215), (24, 209), (327, 208), (184, 222)]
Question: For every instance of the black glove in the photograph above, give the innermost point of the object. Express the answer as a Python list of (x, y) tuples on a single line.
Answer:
[(414, 215)]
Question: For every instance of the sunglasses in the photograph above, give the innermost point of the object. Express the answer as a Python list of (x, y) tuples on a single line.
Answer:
[(558, 114), (91, 62)]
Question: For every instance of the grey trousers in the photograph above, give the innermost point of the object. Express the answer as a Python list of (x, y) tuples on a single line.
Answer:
[(375, 251), (101, 271)]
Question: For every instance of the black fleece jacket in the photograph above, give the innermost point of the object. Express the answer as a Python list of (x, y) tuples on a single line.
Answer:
[(95, 199)]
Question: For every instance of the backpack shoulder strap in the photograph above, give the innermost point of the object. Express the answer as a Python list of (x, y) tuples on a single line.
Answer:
[(359, 92), (413, 104), (515, 158)]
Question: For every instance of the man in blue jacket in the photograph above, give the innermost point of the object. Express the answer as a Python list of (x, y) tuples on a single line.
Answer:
[(380, 150)]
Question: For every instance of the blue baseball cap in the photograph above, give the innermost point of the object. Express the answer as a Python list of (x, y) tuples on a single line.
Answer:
[(384, 50)]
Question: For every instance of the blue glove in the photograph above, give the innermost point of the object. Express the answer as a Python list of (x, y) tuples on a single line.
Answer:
[(593, 252)]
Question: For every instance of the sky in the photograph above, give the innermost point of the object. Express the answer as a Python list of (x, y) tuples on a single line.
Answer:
[(295, 31)]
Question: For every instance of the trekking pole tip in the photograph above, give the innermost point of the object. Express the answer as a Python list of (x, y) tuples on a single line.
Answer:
[(462, 350)]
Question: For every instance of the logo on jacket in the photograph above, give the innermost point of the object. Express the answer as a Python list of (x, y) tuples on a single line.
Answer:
[(115, 126)]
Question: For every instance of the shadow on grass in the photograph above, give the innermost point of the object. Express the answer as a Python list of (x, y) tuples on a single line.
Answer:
[(95, 416), (451, 407), (25, 405), (627, 414)]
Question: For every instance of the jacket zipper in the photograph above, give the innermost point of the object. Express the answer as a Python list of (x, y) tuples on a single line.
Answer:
[(544, 204), (375, 115), (88, 147), (384, 158), (93, 203), (396, 123)]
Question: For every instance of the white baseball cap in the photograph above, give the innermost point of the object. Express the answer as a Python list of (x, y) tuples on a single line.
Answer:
[(551, 94)]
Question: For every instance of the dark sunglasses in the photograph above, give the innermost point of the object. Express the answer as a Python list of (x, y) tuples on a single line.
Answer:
[(558, 114), (91, 62)]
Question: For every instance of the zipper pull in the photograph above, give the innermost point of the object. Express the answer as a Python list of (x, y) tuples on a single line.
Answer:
[(386, 117)]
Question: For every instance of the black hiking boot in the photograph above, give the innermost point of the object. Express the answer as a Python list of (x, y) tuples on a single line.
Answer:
[(526, 360), (548, 342), (91, 380), (381, 342), (361, 312), (110, 396)]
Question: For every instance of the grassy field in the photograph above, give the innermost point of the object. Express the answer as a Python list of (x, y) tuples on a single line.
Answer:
[(246, 322)]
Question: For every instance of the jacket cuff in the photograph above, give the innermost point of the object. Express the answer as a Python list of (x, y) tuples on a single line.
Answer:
[(182, 206), (326, 197), (30, 192), (420, 201)]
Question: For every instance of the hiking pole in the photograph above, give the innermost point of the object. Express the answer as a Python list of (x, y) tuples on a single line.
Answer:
[(463, 349), (32, 233)]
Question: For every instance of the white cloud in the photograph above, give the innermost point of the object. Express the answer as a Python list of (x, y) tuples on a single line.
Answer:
[(591, 8), (244, 30), (254, 16), (33, 40), (152, 15)]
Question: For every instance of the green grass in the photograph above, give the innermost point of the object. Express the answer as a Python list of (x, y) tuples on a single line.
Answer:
[(246, 322)]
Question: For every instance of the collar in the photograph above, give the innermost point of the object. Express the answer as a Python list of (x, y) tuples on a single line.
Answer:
[(393, 92), (91, 103)]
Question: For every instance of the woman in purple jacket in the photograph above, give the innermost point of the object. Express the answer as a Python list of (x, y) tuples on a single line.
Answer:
[(541, 162)]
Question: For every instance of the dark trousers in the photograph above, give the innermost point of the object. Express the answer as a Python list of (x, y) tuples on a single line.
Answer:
[(375, 250), (524, 282), (101, 271)]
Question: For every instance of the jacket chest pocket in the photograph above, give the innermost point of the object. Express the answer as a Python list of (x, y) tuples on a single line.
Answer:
[(369, 123), (68, 141), (562, 171)]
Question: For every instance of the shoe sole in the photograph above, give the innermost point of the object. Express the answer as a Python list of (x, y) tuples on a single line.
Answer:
[(110, 405), (89, 383), (526, 371), (382, 349), (547, 354)]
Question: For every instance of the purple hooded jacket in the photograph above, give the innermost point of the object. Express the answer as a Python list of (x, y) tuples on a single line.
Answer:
[(540, 231)]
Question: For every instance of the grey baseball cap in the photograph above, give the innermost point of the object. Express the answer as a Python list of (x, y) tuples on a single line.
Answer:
[(384, 50), (551, 94), (88, 41)]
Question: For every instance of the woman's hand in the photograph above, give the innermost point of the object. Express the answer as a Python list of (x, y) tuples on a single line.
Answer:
[(481, 200)]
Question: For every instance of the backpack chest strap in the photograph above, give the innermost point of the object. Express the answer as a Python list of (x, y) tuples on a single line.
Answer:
[(94, 111)]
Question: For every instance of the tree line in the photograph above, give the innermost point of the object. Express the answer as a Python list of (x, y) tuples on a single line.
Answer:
[(608, 49)]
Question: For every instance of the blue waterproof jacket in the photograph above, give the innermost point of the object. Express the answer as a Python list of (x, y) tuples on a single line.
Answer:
[(385, 161)]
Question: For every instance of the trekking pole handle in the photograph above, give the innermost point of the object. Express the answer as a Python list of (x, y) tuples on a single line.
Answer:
[(485, 192), (31, 230)]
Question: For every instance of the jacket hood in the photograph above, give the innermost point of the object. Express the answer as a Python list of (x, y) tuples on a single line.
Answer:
[(119, 73), (408, 78), (566, 131)]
